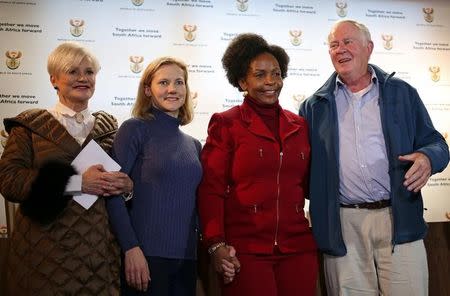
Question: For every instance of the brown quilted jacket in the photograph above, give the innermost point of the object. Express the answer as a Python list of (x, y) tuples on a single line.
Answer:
[(76, 254)]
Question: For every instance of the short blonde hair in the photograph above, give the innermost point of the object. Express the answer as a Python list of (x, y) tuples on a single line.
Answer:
[(143, 106), (361, 28), (68, 54)]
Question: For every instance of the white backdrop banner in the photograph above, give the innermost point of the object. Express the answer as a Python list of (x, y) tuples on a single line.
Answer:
[(411, 38)]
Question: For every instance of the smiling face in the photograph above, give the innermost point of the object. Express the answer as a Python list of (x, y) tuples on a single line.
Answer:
[(167, 89), (263, 80), (76, 86), (349, 51)]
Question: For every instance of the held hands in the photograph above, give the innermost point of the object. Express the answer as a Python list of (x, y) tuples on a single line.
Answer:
[(118, 183), (417, 175), (226, 263), (231, 265), (137, 272), (97, 181)]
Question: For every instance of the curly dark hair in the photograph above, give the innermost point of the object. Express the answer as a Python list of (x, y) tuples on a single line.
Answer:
[(243, 49)]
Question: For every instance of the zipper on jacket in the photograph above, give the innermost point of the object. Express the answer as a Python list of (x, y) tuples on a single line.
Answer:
[(387, 138), (278, 199)]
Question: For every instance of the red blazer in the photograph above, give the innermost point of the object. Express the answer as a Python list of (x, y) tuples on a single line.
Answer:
[(252, 193)]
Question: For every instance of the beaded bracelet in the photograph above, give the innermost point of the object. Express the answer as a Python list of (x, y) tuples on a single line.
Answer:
[(214, 247)]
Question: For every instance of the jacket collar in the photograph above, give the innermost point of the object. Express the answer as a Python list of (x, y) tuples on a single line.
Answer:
[(41, 122), (327, 89), (288, 124)]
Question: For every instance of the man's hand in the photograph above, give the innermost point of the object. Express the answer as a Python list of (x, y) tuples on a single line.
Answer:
[(417, 175)]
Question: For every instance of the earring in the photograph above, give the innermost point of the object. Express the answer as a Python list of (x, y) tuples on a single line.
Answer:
[(244, 93)]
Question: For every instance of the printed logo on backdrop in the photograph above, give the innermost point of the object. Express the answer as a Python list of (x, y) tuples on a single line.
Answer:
[(194, 98), (137, 2), (298, 99), (435, 73), (4, 138), (13, 59), (387, 41), (76, 27), (189, 32), (295, 37), (341, 8), (136, 64), (428, 14), (242, 5)]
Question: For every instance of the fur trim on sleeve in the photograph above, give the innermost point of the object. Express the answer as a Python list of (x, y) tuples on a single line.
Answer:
[(47, 200)]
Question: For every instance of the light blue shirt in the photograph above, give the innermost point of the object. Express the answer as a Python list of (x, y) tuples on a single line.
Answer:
[(363, 162)]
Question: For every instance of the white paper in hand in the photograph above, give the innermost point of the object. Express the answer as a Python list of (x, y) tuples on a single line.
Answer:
[(92, 154)]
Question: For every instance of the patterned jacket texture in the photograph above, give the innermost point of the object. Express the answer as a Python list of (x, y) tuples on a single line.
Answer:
[(57, 247)]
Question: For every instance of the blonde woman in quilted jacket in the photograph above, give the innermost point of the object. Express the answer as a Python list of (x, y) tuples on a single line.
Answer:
[(58, 247)]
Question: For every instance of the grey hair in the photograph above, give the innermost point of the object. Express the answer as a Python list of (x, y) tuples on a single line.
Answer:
[(361, 28)]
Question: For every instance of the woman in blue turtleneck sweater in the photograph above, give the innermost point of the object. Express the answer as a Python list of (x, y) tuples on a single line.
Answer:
[(157, 227)]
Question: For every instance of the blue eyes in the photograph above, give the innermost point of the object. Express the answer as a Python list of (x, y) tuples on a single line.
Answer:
[(165, 82)]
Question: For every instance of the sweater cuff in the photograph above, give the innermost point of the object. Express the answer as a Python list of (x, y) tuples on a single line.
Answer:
[(74, 185), (129, 244)]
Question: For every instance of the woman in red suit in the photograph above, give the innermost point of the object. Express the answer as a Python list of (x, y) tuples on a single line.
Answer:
[(256, 168)]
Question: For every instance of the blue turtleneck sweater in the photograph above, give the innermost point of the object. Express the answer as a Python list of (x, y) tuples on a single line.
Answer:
[(163, 163)]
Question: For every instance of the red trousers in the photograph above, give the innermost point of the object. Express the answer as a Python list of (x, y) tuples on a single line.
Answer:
[(275, 275)]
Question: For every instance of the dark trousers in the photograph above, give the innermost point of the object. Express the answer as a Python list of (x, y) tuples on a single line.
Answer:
[(169, 277)]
